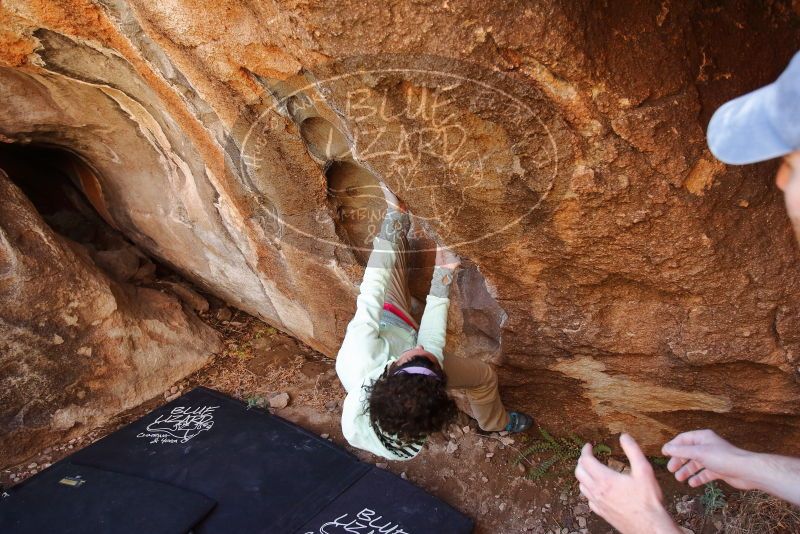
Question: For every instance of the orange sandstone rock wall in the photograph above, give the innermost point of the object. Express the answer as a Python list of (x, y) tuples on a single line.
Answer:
[(619, 276), (78, 346)]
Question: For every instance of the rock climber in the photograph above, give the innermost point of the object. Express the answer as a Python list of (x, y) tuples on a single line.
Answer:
[(393, 368), (756, 127)]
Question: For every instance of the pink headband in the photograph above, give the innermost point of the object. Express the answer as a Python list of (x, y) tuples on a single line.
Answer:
[(418, 370)]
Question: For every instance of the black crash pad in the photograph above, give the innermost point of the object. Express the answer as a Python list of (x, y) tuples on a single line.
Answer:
[(381, 502), (75, 499), (266, 474)]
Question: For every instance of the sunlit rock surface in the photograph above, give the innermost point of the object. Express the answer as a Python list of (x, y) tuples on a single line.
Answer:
[(619, 276)]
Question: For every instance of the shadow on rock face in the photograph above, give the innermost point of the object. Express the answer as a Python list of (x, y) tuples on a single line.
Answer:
[(66, 193), (359, 202)]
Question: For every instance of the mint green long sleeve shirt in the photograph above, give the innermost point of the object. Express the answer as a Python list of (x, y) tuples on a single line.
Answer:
[(371, 344)]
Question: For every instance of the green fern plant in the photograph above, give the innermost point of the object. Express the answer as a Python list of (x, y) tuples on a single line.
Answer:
[(713, 498), (561, 454), (255, 401)]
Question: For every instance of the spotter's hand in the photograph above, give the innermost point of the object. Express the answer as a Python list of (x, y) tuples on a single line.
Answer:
[(630, 502), (701, 456)]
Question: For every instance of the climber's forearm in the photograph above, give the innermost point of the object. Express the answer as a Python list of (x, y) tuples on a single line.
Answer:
[(384, 248), (778, 475), (433, 326), (376, 278)]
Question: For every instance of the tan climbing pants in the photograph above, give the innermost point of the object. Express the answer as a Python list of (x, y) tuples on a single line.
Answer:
[(479, 382), (476, 378)]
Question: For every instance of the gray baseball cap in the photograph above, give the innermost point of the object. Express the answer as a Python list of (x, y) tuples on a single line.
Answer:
[(761, 125)]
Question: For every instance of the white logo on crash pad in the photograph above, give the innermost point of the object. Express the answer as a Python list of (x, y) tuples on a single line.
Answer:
[(180, 425)]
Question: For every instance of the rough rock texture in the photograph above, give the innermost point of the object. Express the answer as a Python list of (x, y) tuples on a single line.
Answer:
[(76, 346), (620, 277)]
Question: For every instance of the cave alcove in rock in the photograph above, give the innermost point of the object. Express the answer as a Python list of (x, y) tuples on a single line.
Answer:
[(85, 333), (65, 191)]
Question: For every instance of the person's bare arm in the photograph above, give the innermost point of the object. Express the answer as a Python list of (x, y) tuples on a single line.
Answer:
[(701, 456), (779, 476)]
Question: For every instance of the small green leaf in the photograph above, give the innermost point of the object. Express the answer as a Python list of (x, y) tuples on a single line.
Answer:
[(546, 435), (577, 440), (660, 461), (602, 449)]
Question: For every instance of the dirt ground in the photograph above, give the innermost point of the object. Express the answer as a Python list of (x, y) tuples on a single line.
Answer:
[(477, 473)]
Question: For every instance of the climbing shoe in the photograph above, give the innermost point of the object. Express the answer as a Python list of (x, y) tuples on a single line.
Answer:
[(519, 422)]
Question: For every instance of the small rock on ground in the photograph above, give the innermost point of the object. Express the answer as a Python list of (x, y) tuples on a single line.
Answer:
[(279, 401)]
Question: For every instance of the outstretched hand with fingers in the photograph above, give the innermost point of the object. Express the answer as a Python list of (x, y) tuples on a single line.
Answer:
[(701, 456), (632, 503)]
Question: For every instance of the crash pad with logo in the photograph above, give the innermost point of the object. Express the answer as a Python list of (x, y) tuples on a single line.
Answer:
[(265, 474)]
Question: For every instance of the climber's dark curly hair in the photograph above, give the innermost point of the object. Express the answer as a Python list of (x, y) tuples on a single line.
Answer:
[(410, 407)]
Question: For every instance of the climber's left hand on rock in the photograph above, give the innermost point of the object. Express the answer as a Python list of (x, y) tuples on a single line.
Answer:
[(447, 259), (395, 226)]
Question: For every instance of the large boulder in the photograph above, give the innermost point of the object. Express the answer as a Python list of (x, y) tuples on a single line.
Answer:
[(76, 346), (619, 276)]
